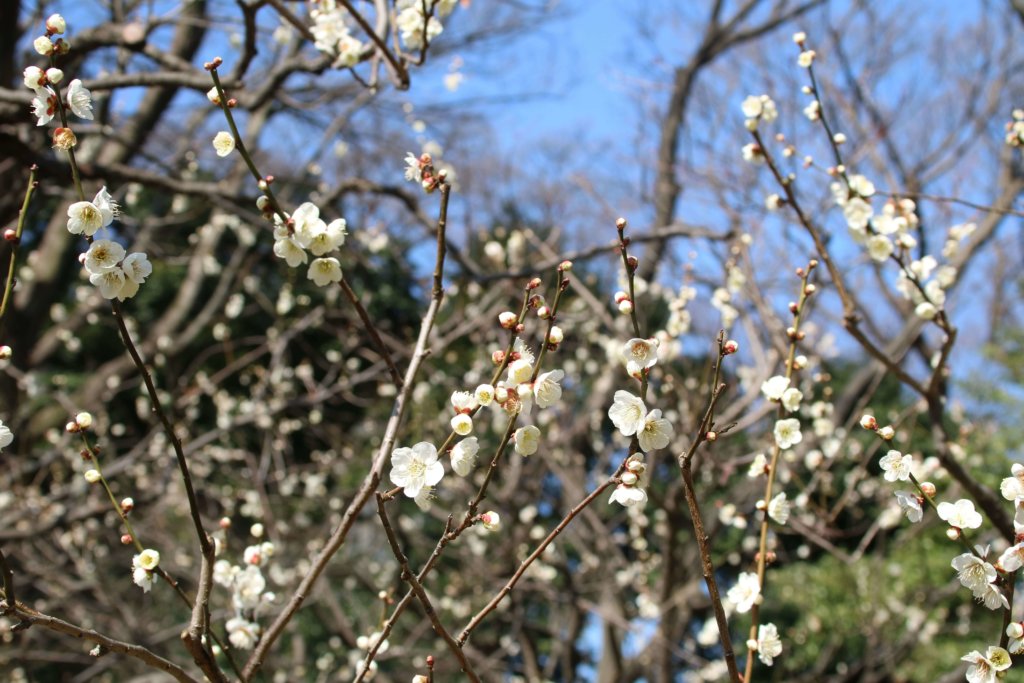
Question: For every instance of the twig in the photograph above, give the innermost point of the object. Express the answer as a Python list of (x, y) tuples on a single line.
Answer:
[(31, 617), (538, 551), (421, 594), (703, 546), (12, 264)]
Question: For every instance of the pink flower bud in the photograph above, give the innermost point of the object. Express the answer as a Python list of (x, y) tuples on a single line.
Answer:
[(126, 539), (887, 432), (11, 235), (5, 352), (711, 436), (498, 357), (508, 319), (952, 533), (730, 347), (869, 422), (565, 266), (928, 488), (625, 307)]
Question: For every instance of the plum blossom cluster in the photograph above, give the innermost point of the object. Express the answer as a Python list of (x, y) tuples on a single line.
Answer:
[(44, 81), (417, 29), (116, 273), (305, 230), (332, 34), (249, 596), (417, 470)]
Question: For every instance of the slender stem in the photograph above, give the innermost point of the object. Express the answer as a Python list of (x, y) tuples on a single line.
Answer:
[(421, 594), (762, 546), (155, 405), (199, 625), (703, 545), (12, 264)]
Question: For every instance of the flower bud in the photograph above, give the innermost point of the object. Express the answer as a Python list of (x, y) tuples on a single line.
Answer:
[(555, 336), (534, 283), (508, 319), (127, 505), (126, 539), (84, 420), (543, 312), (565, 266), (711, 436), (54, 75), (5, 352), (64, 138), (636, 466), (10, 235), (498, 357), (71, 428), (952, 533), (92, 476), (887, 432), (55, 24), (730, 347), (213, 95), (928, 488), (621, 296), (225, 523), (626, 307), (869, 422), (491, 520), (501, 394), (629, 479), (620, 224), (484, 394), (1015, 629), (43, 45), (632, 262)]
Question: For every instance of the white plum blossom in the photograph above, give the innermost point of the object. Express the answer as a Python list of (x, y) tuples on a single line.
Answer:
[(103, 255), (322, 238), (896, 465), (1012, 558), (787, 433), (324, 271), (880, 247), (223, 143), (791, 399), (628, 496), (44, 105), (961, 514), (639, 355), (462, 424), (416, 467), (985, 668), (288, 248), (464, 456), (758, 466), (779, 508), (628, 413), (769, 645), (80, 100), (6, 436), (462, 401), (242, 633), (484, 394), (136, 267), (520, 371), (745, 593), (774, 387), (143, 566), (527, 440), (110, 282), (655, 433), (1012, 487), (910, 504), (85, 218), (546, 389), (974, 573)]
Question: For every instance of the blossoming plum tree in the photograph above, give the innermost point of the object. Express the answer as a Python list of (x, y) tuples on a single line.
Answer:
[(324, 425)]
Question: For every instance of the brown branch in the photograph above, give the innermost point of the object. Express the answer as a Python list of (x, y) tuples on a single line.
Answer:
[(421, 594), (30, 617), (200, 624)]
